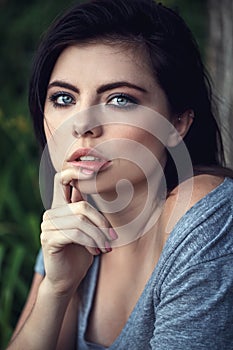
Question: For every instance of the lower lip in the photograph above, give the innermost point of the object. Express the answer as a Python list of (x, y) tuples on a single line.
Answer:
[(90, 167)]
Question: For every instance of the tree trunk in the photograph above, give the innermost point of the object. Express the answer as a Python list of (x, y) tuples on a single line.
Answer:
[(220, 61)]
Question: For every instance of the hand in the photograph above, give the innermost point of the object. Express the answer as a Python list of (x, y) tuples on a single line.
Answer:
[(72, 233)]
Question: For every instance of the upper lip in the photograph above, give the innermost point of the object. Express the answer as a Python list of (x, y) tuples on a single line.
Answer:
[(81, 152)]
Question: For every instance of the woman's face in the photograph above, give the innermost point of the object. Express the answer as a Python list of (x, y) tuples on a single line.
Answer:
[(94, 107)]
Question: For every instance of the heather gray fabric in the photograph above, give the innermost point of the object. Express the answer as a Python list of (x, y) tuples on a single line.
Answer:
[(188, 301)]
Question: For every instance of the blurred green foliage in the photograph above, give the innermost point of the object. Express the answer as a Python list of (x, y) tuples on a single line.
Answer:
[(194, 12), (19, 217), (21, 25)]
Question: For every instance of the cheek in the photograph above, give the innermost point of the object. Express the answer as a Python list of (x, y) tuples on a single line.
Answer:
[(136, 143), (52, 122), (60, 140), (157, 155), (155, 146), (153, 153), (150, 142), (137, 153)]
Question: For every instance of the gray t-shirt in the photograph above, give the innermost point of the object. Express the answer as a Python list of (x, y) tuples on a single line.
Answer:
[(188, 301)]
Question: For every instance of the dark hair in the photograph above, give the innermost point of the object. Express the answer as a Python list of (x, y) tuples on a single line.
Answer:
[(172, 50)]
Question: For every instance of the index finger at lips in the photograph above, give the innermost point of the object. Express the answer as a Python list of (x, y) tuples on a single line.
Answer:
[(74, 173), (61, 192), (76, 195), (62, 186)]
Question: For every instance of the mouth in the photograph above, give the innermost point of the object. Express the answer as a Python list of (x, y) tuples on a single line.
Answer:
[(89, 161)]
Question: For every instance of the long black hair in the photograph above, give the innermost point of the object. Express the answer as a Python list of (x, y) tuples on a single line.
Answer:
[(173, 53)]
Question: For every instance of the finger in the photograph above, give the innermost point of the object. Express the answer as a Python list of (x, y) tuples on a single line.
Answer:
[(56, 243), (61, 192), (76, 195), (94, 251), (62, 239), (74, 173), (70, 218), (70, 225), (62, 186), (90, 239)]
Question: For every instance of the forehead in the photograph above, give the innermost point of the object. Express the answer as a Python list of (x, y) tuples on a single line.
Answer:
[(96, 59)]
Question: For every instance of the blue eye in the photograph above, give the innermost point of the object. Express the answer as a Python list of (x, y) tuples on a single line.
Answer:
[(122, 101), (62, 99)]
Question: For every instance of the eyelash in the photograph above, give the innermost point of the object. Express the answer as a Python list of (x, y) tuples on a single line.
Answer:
[(131, 101), (54, 97)]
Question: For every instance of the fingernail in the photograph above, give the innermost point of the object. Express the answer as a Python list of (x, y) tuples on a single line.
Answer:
[(112, 233), (108, 247)]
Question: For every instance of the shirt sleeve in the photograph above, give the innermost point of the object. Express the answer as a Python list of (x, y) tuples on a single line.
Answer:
[(39, 264), (196, 308)]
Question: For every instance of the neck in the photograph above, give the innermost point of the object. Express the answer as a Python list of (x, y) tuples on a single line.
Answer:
[(132, 211), (133, 264)]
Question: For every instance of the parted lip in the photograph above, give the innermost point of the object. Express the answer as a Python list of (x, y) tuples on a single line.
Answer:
[(81, 152)]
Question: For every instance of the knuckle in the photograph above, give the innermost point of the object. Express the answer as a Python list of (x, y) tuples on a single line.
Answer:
[(97, 235), (85, 205), (82, 218), (42, 226), (46, 220), (79, 209), (57, 177), (43, 239), (46, 215), (82, 206), (103, 223)]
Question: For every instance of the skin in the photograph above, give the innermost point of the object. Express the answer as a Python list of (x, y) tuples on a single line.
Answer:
[(54, 298)]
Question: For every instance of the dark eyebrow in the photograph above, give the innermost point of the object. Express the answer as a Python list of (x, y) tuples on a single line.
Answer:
[(63, 84), (118, 84), (100, 90)]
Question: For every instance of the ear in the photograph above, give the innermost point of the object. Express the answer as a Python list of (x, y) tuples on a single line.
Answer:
[(182, 124)]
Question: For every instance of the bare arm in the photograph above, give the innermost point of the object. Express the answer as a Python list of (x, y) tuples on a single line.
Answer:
[(42, 327), (67, 336), (37, 279)]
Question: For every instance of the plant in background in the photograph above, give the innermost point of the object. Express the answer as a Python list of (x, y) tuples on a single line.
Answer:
[(20, 209)]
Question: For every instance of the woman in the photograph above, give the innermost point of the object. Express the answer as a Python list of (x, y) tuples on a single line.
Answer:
[(137, 252)]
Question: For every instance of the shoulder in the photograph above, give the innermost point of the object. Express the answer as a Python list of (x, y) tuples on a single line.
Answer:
[(197, 187), (203, 231), (200, 238), (197, 193), (203, 185)]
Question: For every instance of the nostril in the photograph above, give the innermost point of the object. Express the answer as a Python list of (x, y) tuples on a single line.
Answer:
[(79, 130), (76, 133), (88, 132)]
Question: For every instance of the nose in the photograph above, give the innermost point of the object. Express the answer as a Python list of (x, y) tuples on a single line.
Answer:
[(87, 125), (83, 132)]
